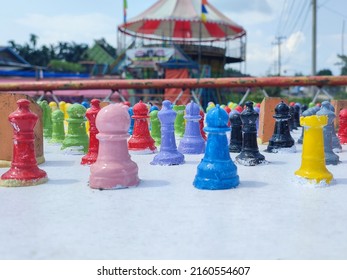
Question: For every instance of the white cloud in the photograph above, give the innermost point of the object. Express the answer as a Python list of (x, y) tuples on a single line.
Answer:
[(65, 27), (294, 41)]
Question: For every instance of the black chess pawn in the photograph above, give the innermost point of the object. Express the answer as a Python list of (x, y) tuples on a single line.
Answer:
[(249, 155), (281, 137), (235, 145), (291, 120), (304, 108), (297, 112)]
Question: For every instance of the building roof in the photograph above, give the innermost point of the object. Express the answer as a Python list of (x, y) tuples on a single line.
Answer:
[(99, 54), (9, 59)]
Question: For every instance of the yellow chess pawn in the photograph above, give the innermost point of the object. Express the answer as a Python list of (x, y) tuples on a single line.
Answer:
[(313, 159), (66, 115), (53, 105), (62, 107)]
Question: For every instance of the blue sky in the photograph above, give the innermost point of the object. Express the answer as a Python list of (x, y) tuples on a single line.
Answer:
[(83, 21)]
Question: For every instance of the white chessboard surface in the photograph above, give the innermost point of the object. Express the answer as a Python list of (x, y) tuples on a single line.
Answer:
[(271, 215)]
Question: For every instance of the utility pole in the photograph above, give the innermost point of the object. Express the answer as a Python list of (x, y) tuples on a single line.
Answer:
[(314, 37), (278, 42)]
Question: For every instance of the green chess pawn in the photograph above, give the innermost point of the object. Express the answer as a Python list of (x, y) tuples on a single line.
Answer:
[(155, 127), (47, 119), (179, 121), (58, 134), (76, 140)]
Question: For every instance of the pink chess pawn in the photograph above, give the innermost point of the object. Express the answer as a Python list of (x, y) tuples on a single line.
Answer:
[(93, 149), (113, 168), (24, 170), (141, 140)]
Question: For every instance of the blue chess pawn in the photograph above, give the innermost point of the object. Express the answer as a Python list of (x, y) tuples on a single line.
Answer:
[(192, 141), (216, 171), (132, 121), (85, 104), (153, 108), (168, 155)]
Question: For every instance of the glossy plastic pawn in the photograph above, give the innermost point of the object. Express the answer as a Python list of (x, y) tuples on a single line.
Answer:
[(47, 119), (53, 105), (235, 145), (179, 121), (330, 156), (202, 124), (297, 113), (58, 131), (24, 170), (308, 112), (342, 132), (337, 148), (313, 166), (76, 140), (216, 171), (141, 140), (291, 120), (93, 148), (192, 141), (168, 155), (281, 138), (249, 155), (132, 121), (113, 168), (155, 127)]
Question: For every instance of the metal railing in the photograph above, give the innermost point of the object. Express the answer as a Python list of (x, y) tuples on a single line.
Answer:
[(115, 84)]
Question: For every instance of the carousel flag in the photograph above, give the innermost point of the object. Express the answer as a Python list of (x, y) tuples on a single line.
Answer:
[(203, 10), (125, 7)]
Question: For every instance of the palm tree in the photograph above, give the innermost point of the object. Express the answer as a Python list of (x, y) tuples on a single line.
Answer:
[(33, 40)]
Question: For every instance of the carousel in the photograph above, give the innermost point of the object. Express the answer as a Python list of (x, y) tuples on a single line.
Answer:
[(206, 35), (177, 39)]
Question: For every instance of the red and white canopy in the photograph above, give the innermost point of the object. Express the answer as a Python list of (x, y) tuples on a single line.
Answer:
[(181, 20)]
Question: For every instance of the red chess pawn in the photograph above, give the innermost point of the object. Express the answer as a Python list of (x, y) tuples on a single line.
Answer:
[(342, 133), (201, 122), (127, 103), (93, 149), (24, 170), (141, 140)]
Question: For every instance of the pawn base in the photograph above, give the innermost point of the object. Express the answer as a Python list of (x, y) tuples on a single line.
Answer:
[(250, 158), (168, 158), (315, 175), (235, 148), (22, 183), (191, 147), (113, 175), (216, 175), (331, 159), (89, 159)]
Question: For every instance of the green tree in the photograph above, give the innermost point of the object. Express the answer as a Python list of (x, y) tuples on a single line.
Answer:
[(33, 40), (324, 72), (343, 63)]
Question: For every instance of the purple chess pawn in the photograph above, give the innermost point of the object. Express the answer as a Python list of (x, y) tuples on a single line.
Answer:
[(168, 154), (192, 141)]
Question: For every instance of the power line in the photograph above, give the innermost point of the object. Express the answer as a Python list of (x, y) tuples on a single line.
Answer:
[(298, 18), (288, 16), (335, 12), (300, 30), (281, 17)]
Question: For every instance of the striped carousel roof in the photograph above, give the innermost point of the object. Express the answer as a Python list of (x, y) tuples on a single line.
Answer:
[(182, 20)]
